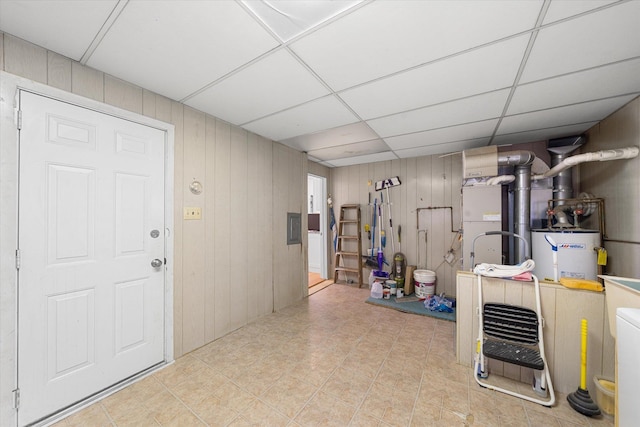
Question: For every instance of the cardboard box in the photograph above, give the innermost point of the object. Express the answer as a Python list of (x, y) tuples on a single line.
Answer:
[(409, 285)]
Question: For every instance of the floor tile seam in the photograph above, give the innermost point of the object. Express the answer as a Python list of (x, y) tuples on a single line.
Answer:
[(415, 402), (142, 402), (366, 394), (282, 413), (259, 397), (104, 409), (189, 408)]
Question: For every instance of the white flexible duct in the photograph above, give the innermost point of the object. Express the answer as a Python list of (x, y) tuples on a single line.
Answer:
[(597, 156), (502, 179)]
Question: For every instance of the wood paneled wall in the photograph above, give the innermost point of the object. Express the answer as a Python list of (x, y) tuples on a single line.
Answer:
[(618, 182), (232, 266), (427, 182)]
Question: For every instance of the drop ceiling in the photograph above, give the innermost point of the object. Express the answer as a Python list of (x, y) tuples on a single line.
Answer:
[(353, 82)]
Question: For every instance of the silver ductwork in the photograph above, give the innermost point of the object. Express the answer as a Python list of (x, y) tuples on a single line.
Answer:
[(522, 161), (483, 164), (562, 180)]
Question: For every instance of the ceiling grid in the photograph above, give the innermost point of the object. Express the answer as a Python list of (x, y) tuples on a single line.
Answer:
[(354, 81)]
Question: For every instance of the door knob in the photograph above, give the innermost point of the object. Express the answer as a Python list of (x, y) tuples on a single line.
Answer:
[(156, 263)]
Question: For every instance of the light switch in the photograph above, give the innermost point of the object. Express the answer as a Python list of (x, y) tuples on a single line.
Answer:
[(192, 213)]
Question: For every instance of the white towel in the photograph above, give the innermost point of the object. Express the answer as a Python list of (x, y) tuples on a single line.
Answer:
[(499, 270)]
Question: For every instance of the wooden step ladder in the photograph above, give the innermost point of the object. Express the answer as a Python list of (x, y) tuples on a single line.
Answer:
[(348, 256)]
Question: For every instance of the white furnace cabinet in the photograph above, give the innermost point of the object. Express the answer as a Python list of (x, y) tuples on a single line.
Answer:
[(482, 212)]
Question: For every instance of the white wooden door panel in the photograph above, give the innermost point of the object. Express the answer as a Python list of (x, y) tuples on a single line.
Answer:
[(71, 325), (91, 306)]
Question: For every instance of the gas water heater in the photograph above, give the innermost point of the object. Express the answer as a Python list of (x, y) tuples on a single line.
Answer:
[(577, 253)]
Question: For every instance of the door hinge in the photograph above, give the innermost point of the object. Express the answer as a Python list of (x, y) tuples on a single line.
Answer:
[(16, 398), (18, 118), (18, 259)]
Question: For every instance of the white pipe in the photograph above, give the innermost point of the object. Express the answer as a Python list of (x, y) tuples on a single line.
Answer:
[(502, 179), (601, 156)]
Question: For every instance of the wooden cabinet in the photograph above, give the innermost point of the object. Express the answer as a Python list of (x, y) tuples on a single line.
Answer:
[(562, 311)]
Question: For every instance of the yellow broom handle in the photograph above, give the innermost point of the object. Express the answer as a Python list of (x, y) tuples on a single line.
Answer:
[(583, 356)]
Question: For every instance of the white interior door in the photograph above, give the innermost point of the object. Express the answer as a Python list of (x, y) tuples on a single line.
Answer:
[(91, 222)]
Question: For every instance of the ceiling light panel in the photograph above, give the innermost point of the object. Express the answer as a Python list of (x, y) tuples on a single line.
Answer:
[(440, 136), (288, 19), (385, 37), (314, 116), (276, 82), (478, 71), (612, 80), (175, 48), (473, 109), (446, 148), (591, 40), (351, 150), (65, 27), (572, 114), (348, 134)]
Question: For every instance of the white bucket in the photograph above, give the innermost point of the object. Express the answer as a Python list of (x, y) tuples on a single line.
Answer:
[(425, 283)]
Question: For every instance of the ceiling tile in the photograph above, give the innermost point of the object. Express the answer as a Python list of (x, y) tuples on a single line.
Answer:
[(572, 114), (564, 9), (384, 37), (443, 135), (612, 80), (276, 82), (478, 71), (314, 116), (175, 48), (287, 19), (446, 148), (359, 160), (542, 134), (588, 41), (350, 150), (348, 134), (65, 27), (473, 109)]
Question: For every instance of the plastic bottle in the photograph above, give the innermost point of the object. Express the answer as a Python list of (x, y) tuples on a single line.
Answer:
[(376, 290)]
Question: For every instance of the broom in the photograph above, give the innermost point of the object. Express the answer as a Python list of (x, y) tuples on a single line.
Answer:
[(580, 399)]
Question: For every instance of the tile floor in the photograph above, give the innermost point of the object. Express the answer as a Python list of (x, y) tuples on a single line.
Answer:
[(330, 360)]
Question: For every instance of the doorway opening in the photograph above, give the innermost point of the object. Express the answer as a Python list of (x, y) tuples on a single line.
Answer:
[(317, 231)]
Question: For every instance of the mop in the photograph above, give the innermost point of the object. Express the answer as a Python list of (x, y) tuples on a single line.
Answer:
[(580, 399), (370, 260), (381, 261)]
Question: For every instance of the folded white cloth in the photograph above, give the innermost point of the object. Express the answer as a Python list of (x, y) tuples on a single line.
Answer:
[(499, 270)]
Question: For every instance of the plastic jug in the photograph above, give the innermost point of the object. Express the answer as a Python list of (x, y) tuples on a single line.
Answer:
[(376, 290)]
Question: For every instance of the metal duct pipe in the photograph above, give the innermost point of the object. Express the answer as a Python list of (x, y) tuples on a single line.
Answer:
[(522, 209), (563, 181), (515, 158), (522, 161)]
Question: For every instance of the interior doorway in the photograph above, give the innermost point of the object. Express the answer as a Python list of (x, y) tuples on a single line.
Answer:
[(317, 229)]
